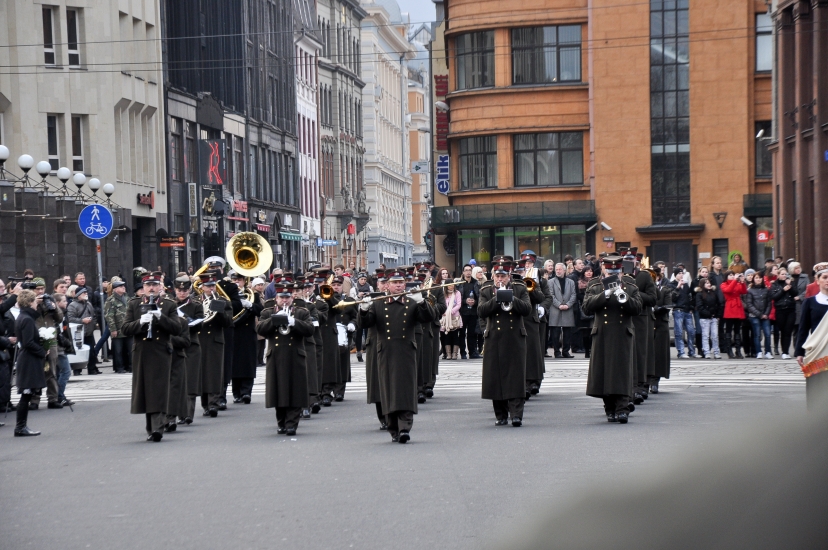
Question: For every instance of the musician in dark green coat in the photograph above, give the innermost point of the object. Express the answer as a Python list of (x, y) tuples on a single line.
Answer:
[(152, 320), (372, 382), (299, 300), (218, 314), (330, 341), (395, 320), (662, 332), (541, 299), (504, 360), (614, 300), (193, 311), (177, 397), (346, 320), (644, 325), (286, 327)]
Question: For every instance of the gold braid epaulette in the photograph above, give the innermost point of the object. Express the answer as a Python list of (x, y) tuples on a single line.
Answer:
[(815, 367)]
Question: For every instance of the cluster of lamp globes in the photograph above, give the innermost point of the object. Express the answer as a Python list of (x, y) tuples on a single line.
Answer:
[(26, 163)]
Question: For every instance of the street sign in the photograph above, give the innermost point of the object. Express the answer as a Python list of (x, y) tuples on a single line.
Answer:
[(420, 167), (326, 242), (95, 221)]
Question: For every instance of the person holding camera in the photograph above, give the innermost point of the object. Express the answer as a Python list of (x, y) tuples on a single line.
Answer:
[(31, 359), (734, 313), (784, 294), (49, 316), (83, 312), (683, 320)]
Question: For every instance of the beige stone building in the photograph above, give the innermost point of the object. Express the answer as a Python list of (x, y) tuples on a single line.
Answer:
[(82, 89)]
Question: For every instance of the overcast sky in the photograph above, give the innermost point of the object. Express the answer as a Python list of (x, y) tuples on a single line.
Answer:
[(420, 10)]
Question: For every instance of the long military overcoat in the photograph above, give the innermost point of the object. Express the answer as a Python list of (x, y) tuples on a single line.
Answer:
[(286, 374), (504, 360), (371, 367), (431, 339), (644, 324), (662, 332), (322, 308), (612, 357), (534, 351), (151, 357), (177, 395), (212, 349), (310, 348), (345, 316), (245, 341), (193, 309), (396, 343), (330, 344)]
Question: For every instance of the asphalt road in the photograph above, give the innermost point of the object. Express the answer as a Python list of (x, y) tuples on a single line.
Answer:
[(92, 481)]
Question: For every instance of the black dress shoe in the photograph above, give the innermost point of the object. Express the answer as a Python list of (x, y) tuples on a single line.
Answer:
[(54, 405), (213, 413), (291, 431), (638, 398), (654, 388), (359, 357), (281, 431), (383, 426), (339, 398), (622, 417), (94, 372), (326, 401), (612, 418), (463, 356), (315, 408), (188, 420), (645, 395), (206, 412), (404, 437), (222, 406), (25, 432), (182, 420), (170, 427), (517, 422), (534, 389), (395, 439), (630, 408), (33, 406), (557, 355), (567, 355), (156, 436), (501, 422), (237, 400), (305, 413), (120, 371), (429, 393), (246, 399), (421, 398), (67, 402), (528, 395)]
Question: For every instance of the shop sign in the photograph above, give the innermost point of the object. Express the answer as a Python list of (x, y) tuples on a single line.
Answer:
[(442, 177), (240, 206), (147, 200), (193, 196), (764, 236), (261, 216), (172, 242), (263, 228)]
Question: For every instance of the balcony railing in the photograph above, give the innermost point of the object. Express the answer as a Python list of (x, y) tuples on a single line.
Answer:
[(446, 218)]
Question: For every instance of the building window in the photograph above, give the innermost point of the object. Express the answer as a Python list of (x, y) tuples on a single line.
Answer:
[(764, 165), (175, 149), (48, 36), (2, 130), (670, 112), (478, 162), (544, 55), (73, 30), (764, 43), (52, 141), (189, 152), (475, 60), (549, 159), (721, 248), (77, 144)]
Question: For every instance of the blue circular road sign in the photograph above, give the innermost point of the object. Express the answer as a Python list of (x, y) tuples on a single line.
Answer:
[(95, 221)]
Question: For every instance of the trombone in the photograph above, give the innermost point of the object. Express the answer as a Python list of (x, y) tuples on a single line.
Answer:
[(343, 305)]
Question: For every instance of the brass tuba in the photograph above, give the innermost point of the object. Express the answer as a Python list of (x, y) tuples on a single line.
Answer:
[(249, 254), (208, 313), (531, 284)]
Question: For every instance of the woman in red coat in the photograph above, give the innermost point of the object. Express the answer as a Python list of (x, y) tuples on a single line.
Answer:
[(733, 287)]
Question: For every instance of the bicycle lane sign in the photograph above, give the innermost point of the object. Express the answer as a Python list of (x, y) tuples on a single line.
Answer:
[(95, 221)]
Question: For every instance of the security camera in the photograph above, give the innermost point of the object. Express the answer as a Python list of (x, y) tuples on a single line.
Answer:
[(606, 227), (760, 133), (746, 221), (441, 106), (593, 226)]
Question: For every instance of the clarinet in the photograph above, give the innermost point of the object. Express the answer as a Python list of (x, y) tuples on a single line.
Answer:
[(150, 307)]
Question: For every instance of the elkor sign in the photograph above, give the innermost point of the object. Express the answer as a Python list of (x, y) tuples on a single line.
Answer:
[(442, 176)]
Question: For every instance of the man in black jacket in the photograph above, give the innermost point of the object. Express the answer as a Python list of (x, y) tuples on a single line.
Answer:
[(683, 313), (7, 343), (470, 290)]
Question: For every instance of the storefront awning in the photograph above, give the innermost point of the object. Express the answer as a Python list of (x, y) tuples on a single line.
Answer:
[(449, 218), (286, 236), (389, 256)]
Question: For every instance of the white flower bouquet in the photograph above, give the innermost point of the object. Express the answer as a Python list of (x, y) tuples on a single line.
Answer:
[(48, 337)]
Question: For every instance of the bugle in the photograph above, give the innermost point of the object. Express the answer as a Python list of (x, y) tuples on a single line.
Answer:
[(343, 305)]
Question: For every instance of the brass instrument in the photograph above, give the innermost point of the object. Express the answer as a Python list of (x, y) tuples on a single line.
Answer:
[(343, 305), (505, 306), (531, 284), (615, 288), (326, 291), (249, 254), (645, 266), (208, 313), (284, 329)]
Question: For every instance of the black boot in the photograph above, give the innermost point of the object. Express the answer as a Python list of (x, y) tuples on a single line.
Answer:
[(738, 345), (20, 428), (727, 347)]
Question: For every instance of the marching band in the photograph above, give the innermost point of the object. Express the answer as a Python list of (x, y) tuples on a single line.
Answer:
[(202, 335)]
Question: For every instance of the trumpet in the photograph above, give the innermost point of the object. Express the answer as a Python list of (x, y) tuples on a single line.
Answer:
[(615, 288), (531, 284), (284, 330), (501, 295)]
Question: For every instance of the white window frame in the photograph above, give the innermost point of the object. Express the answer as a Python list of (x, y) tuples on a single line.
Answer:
[(76, 50), (51, 40), (56, 155), (75, 156)]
